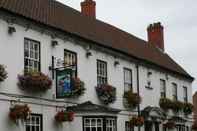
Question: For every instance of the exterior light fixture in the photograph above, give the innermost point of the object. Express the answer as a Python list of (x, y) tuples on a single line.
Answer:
[(11, 30)]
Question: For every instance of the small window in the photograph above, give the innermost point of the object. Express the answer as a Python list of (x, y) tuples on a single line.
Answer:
[(70, 61), (174, 91), (34, 123), (128, 126), (127, 79), (185, 94), (163, 88), (31, 55), (101, 72), (110, 124)]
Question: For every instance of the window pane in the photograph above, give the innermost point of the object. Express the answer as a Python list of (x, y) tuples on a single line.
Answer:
[(101, 72), (31, 53)]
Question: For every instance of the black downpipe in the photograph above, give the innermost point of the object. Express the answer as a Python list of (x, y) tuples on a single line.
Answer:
[(138, 91)]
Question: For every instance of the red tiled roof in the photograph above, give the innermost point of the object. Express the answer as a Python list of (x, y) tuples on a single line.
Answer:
[(62, 17)]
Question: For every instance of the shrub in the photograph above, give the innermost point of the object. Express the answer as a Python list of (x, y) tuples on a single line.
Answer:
[(36, 81), (106, 93)]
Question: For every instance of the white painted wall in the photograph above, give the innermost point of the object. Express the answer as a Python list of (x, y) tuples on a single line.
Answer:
[(12, 55)]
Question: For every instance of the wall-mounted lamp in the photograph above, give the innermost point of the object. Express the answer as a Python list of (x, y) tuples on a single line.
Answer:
[(54, 43), (88, 53), (116, 63), (11, 30), (149, 73)]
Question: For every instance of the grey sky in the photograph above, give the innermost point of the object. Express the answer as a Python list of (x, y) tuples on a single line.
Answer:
[(179, 18)]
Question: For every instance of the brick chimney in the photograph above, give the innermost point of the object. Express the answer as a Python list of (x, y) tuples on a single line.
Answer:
[(156, 35), (88, 8)]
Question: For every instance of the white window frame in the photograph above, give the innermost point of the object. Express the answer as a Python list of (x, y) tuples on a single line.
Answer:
[(163, 88), (96, 125), (70, 61), (128, 84), (185, 94), (34, 124), (110, 124), (31, 55), (174, 91), (101, 72)]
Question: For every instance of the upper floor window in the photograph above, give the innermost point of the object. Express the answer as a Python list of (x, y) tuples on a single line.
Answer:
[(34, 123), (127, 79), (70, 61), (174, 91), (185, 94), (101, 72), (31, 55), (163, 88)]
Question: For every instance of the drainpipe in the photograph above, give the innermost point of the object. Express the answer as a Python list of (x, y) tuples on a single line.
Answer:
[(138, 91)]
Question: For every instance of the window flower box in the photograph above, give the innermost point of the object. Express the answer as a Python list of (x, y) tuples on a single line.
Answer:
[(132, 99), (136, 121), (64, 116), (177, 106), (106, 93), (165, 103), (35, 81), (78, 88), (169, 124), (3, 73), (19, 112), (187, 108)]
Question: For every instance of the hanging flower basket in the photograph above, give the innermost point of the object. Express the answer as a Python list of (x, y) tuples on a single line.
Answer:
[(3, 73), (19, 112), (136, 121), (187, 108), (64, 116), (165, 103), (35, 81), (78, 88), (106, 93), (169, 124), (132, 99)]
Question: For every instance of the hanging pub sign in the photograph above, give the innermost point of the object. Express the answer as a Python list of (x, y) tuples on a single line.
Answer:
[(63, 82)]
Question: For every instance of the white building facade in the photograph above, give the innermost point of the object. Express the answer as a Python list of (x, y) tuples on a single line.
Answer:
[(49, 50)]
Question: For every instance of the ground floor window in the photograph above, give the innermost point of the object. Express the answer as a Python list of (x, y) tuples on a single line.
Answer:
[(128, 126), (99, 123), (34, 123)]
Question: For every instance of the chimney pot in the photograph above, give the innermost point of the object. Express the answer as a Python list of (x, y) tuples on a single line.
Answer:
[(155, 35), (88, 8)]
